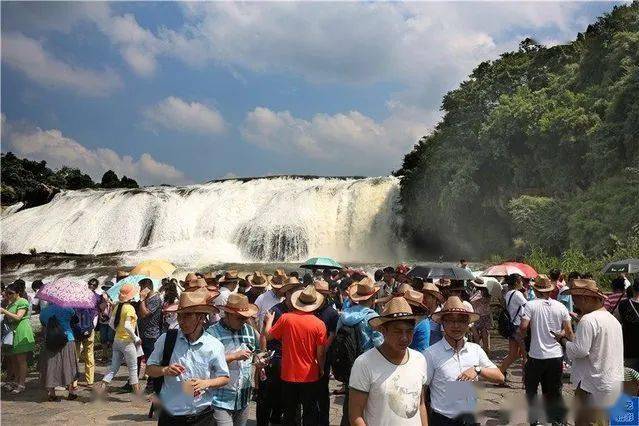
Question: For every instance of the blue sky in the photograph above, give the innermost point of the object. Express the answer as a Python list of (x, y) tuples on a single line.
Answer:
[(186, 92)]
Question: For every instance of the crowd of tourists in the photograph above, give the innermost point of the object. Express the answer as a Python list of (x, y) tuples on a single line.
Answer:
[(407, 350)]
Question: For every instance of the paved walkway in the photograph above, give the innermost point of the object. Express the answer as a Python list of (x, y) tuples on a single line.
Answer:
[(497, 406)]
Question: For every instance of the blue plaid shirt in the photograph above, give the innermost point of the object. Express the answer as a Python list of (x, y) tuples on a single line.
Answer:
[(237, 393)]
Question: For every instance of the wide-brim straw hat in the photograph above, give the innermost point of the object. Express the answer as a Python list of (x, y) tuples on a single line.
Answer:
[(209, 277), (397, 309), (257, 279), (307, 299), (543, 284), (454, 305), (322, 286), (362, 290), (189, 277), (230, 276), (127, 292), (196, 301), (278, 279), (399, 292), (416, 300), (431, 289), (289, 284), (239, 304), (194, 284), (583, 287)]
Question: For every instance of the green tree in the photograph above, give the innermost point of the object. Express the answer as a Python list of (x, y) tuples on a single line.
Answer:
[(110, 180)]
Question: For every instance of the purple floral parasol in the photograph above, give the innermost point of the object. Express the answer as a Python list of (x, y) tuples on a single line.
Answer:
[(68, 294)]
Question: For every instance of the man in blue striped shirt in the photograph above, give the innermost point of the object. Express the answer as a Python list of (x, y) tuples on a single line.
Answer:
[(240, 340)]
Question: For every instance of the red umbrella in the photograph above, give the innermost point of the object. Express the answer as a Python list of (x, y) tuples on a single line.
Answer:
[(502, 270), (529, 271)]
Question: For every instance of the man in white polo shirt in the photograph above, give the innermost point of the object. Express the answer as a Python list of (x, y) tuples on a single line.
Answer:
[(452, 363), (596, 352), (545, 359)]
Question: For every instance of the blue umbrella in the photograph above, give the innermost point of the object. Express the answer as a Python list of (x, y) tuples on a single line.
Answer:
[(321, 263), (133, 280)]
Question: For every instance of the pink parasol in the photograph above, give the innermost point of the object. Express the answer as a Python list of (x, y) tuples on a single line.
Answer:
[(529, 271), (503, 270), (68, 294)]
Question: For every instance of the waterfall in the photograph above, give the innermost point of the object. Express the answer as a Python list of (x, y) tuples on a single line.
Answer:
[(259, 220)]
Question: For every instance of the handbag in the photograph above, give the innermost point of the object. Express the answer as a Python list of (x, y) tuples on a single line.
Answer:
[(7, 334)]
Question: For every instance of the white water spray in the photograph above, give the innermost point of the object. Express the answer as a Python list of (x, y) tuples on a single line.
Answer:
[(261, 220)]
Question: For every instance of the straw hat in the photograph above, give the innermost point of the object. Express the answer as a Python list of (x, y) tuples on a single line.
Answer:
[(127, 292), (397, 309), (433, 290), (415, 300), (229, 277), (362, 290), (582, 287), (194, 284), (289, 284), (239, 304), (196, 301), (278, 279), (189, 277), (399, 292), (543, 284), (257, 279), (454, 305), (322, 287), (209, 277), (307, 299)]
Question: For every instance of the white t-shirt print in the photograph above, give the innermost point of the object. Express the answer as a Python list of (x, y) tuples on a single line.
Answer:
[(394, 391)]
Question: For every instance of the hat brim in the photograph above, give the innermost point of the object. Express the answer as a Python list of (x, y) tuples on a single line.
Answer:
[(585, 292), (248, 313), (544, 289), (264, 284), (198, 309), (352, 293), (306, 307), (472, 316), (379, 321), (436, 294), (228, 281)]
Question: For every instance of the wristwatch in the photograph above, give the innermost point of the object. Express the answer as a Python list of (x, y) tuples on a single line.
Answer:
[(478, 370)]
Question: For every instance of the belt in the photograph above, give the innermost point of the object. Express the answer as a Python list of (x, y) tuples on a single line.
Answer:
[(190, 418)]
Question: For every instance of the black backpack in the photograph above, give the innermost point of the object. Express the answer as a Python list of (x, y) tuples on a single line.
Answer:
[(167, 351), (343, 352), (55, 338), (83, 326), (505, 324)]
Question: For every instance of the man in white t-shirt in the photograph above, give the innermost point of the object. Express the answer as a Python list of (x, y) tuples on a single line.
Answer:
[(596, 352), (386, 385), (545, 359), (452, 364)]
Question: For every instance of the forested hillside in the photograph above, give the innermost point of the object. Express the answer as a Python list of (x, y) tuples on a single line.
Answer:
[(537, 149)]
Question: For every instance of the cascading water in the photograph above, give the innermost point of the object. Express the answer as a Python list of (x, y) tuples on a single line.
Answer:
[(260, 220)]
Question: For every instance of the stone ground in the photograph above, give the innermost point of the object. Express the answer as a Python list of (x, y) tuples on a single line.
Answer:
[(497, 405)]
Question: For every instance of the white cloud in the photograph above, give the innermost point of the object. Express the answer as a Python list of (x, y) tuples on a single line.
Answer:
[(176, 114), (28, 56), (353, 139), (59, 150)]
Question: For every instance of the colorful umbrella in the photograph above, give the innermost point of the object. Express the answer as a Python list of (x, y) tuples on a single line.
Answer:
[(321, 263), (68, 294), (529, 271), (133, 280), (503, 270), (154, 268)]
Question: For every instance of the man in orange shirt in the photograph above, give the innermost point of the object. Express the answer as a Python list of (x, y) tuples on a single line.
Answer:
[(303, 337)]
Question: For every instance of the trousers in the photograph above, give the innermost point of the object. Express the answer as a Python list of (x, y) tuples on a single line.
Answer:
[(296, 394), (123, 351), (548, 374), (231, 417), (84, 350)]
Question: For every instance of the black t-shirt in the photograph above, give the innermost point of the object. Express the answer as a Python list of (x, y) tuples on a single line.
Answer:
[(630, 328), (329, 317), (274, 344)]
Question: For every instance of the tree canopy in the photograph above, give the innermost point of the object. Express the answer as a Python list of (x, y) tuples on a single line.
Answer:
[(539, 147)]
